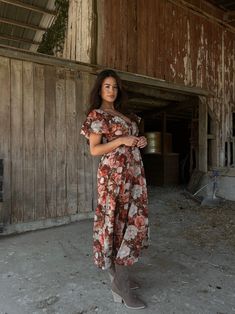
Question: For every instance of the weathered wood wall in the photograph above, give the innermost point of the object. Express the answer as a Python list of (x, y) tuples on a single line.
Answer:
[(183, 42), (47, 167)]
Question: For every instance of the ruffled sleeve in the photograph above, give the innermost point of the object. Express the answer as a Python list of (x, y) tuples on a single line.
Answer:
[(94, 123)]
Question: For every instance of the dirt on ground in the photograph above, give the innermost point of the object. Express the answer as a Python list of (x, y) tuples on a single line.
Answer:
[(215, 222)]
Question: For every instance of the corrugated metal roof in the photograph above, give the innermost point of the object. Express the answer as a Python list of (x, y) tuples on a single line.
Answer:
[(23, 22)]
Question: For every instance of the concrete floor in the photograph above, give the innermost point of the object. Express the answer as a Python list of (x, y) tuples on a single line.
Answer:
[(189, 267)]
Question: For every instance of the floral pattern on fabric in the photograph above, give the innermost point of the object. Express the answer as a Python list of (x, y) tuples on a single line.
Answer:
[(121, 216)]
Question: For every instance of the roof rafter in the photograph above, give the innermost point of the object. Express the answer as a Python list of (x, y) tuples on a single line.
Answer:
[(21, 24), (29, 7), (19, 39)]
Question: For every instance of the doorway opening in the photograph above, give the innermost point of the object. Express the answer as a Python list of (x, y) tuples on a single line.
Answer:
[(170, 123)]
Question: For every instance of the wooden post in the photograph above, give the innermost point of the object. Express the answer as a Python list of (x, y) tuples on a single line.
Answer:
[(163, 135), (80, 41), (202, 136), (215, 143)]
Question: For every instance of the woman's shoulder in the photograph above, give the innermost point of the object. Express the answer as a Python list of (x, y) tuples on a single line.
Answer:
[(96, 113)]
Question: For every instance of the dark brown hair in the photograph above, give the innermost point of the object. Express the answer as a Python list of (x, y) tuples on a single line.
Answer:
[(95, 95)]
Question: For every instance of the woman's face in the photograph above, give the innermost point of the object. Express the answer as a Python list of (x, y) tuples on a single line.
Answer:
[(109, 90)]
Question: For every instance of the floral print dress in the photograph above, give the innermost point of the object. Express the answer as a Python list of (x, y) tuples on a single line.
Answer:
[(121, 216)]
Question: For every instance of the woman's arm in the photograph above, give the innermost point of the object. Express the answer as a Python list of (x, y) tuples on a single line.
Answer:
[(97, 148)]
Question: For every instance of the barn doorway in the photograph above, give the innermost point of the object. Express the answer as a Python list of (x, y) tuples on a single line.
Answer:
[(170, 121)]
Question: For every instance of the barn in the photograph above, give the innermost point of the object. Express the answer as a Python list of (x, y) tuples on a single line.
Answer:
[(177, 61)]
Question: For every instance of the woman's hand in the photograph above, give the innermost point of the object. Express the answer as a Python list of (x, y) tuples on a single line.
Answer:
[(97, 148), (130, 140), (142, 142)]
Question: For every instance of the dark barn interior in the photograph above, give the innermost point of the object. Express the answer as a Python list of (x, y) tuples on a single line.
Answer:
[(170, 122)]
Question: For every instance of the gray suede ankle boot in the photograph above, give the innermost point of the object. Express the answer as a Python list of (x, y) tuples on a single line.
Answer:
[(132, 283), (121, 290)]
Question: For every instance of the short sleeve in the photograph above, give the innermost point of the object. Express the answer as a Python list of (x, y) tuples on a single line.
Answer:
[(94, 123), (138, 118)]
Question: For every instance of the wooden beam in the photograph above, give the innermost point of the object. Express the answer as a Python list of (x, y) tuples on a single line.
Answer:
[(149, 102), (25, 55), (18, 39), (22, 24), (161, 84), (137, 90), (30, 7), (173, 116)]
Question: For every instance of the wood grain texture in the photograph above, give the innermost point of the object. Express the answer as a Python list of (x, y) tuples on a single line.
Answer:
[(5, 131), (28, 141), (61, 155), (17, 182), (40, 167), (175, 41), (87, 165), (71, 143), (50, 140), (80, 31)]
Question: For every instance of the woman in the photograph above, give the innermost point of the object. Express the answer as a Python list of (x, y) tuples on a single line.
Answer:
[(121, 217)]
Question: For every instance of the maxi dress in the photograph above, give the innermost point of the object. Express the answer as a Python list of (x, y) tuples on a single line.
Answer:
[(121, 217)]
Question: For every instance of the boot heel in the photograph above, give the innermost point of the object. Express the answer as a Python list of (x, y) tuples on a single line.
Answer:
[(116, 297)]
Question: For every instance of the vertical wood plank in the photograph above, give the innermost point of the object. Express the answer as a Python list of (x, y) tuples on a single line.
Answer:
[(5, 131), (39, 171), (74, 30), (79, 27), (79, 41), (17, 141), (100, 32), (50, 141), (71, 142), (61, 188), (131, 36), (68, 39), (162, 38), (150, 7), (111, 42), (28, 141), (158, 41), (122, 53), (86, 181), (142, 40), (82, 149), (90, 162), (86, 18)]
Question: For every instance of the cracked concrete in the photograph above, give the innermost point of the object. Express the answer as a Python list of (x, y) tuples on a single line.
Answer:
[(189, 267)]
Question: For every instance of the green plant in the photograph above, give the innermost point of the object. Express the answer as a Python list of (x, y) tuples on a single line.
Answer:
[(53, 39)]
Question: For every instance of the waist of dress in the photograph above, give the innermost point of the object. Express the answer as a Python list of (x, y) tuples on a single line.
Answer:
[(123, 150)]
